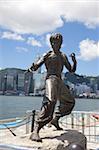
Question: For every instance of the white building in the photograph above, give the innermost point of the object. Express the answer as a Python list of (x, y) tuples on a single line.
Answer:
[(82, 88), (39, 82)]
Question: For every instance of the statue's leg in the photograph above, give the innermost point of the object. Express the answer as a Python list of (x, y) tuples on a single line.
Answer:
[(46, 113), (66, 105), (35, 135), (55, 120), (44, 117)]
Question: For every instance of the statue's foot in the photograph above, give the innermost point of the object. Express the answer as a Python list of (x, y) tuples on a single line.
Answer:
[(35, 137), (55, 123)]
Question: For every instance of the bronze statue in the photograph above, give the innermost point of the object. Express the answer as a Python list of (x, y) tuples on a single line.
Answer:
[(55, 89)]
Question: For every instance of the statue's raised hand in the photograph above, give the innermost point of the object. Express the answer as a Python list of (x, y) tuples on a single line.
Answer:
[(72, 55)]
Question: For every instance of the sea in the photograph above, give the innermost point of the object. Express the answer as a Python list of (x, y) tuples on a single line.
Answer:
[(17, 106)]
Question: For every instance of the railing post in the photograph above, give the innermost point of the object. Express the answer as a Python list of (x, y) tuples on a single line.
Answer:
[(72, 120), (88, 118), (83, 123), (95, 130), (33, 119), (27, 121)]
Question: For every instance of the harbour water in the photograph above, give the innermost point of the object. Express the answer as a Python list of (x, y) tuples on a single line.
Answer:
[(16, 106)]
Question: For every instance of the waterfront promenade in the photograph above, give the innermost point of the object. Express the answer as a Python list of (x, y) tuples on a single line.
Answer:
[(52, 139), (22, 139), (78, 121)]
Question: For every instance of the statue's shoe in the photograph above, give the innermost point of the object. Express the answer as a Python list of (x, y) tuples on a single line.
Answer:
[(35, 137), (55, 123)]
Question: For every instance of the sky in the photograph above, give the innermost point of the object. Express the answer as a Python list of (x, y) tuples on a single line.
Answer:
[(25, 28)]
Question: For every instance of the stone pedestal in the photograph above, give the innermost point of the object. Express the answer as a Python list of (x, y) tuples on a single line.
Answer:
[(51, 140)]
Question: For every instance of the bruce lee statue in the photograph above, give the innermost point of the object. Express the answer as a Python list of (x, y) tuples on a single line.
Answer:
[(55, 89)]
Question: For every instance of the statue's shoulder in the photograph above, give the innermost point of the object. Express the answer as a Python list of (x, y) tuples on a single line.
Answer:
[(63, 54), (64, 57), (47, 54)]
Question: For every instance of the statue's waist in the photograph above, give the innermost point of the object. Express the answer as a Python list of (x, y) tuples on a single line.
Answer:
[(53, 75)]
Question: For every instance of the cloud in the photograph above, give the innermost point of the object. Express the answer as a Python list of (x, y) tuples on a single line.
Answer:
[(12, 36), (39, 17), (21, 49), (47, 40), (86, 12), (33, 42), (89, 50)]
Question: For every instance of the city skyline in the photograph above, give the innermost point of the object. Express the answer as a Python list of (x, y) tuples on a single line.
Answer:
[(25, 28), (15, 82)]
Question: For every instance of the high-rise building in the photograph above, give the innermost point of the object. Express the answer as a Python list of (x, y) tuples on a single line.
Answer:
[(15, 82), (39, 82), (0, 83), (10, 82), (21, 82), (28, 84), (4, 83)]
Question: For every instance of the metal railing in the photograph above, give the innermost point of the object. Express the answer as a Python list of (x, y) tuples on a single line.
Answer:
[(85, 122), (82, 121), (17, 126)]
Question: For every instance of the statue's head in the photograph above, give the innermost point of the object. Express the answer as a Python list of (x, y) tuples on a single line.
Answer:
[(56, 41), (75, 147)]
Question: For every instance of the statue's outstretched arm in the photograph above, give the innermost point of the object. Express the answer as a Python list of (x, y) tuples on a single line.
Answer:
[(70, 68), (39, 63), (36, 65)]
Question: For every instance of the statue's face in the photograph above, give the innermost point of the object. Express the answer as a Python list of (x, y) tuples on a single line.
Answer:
[(56, 41), (56, 46)]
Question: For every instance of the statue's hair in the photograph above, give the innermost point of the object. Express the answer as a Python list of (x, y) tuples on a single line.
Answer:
[(56, 37)]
